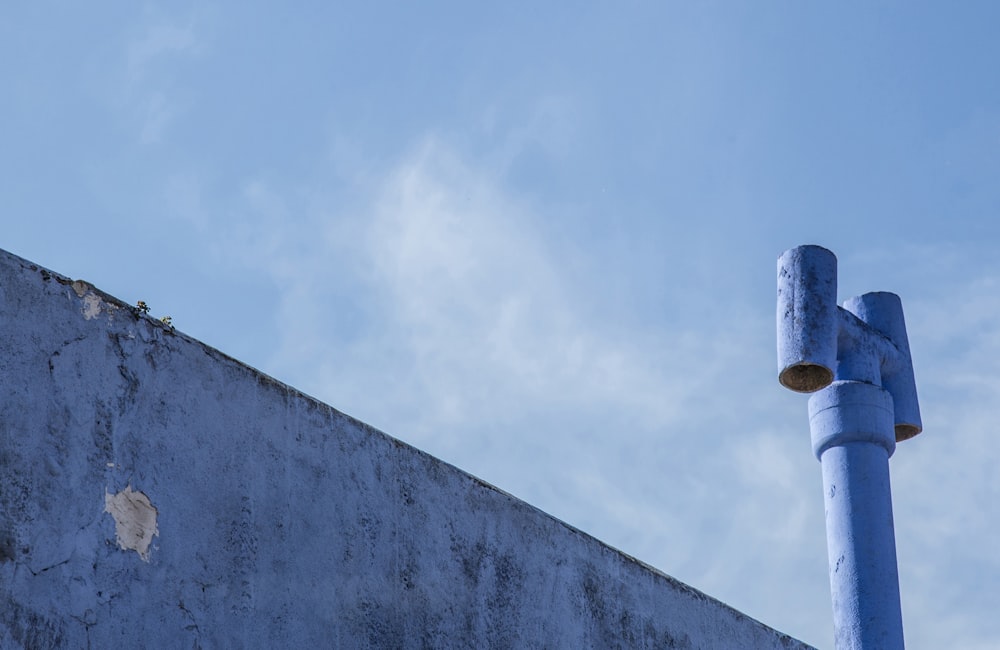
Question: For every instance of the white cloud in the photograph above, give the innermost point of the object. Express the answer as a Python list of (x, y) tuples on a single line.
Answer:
[(157, 41), (157, 114), (481, 300), (470, 315), (154, 102)]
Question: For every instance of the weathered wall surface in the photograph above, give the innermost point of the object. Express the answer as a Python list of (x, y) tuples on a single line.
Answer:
[(156, 493)]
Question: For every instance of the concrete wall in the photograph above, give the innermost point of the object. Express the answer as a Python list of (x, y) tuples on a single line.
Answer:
[(156, 493)]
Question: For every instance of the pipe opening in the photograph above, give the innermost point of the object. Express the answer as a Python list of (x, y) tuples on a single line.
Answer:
[(906, 431), (806, 377)]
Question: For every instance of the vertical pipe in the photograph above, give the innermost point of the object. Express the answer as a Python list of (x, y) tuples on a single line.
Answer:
[(883, 311), (808, 321), (853, 437)]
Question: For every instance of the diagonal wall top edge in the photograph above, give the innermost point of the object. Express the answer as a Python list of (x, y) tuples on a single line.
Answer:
[(150, 477)]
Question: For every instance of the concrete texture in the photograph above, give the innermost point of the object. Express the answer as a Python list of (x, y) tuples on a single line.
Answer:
[(155, 493)]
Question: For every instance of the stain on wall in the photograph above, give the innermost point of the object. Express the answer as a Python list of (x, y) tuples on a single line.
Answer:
[(135, 520)]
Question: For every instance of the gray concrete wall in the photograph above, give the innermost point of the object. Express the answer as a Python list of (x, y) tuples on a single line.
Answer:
[(156, 493)]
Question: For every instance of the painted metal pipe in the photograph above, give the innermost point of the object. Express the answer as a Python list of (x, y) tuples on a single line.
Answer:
[(883, 312), (856, 360), (807, 318), (852, 435)]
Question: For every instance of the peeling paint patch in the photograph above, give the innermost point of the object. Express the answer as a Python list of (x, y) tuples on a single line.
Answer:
[(91, 306), (80, 287), (135, 520)]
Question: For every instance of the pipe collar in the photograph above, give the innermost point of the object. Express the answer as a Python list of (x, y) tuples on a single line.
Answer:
[(851, 411)]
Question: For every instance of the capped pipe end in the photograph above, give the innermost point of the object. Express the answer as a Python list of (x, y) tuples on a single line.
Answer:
[(805, 377)]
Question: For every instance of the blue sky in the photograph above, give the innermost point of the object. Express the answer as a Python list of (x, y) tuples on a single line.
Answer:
[(539, 242)]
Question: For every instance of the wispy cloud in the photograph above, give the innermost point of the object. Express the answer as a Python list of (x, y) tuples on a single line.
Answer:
[(435, 304), (148, 59), (481, 301), (156, 115), (157, 41)]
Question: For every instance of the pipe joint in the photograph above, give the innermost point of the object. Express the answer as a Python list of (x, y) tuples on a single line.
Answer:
[(851, 411), (863, 341)]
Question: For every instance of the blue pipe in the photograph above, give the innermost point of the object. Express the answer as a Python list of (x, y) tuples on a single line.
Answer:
[(852, 435), (856, 362)]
